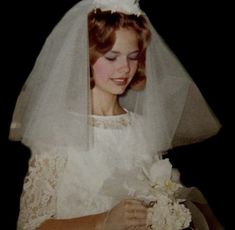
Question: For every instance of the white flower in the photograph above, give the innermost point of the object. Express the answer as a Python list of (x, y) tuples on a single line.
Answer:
[(125, 6), (166, 212), (168, 215), (159, 172)]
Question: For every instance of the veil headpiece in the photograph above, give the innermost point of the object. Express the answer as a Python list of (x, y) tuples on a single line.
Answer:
[(125, 6), (53, 107)]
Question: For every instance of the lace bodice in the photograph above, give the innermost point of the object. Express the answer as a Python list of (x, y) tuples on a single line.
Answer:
[(68, 183)]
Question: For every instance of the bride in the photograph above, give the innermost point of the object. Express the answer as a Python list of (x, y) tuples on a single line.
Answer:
[(105, 99)]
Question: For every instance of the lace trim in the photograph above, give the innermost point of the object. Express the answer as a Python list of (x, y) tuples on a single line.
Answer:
[(111, 122), (38, 199)]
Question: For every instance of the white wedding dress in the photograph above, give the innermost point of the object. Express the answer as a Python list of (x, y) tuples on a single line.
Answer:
[(67, 183)]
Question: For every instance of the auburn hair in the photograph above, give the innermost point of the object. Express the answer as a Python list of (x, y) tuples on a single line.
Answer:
[(102, 26)]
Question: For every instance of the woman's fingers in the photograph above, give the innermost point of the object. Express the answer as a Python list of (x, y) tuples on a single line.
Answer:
[(136, 222), (135, 213), (134, 204), (128, 214)]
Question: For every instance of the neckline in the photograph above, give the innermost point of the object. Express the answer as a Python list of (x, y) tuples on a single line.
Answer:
[(111, 116), (118, 121)]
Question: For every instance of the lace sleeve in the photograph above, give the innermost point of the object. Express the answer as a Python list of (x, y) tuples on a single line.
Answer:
[(38, 199)]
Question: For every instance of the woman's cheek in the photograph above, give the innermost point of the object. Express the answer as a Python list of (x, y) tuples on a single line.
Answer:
[(134, 67), (102, 69)]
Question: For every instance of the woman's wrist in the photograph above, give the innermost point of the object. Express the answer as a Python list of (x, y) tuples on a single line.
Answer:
[(101, 221)]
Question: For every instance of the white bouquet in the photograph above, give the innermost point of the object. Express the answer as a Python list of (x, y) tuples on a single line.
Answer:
[(165, 211), (156, 184)]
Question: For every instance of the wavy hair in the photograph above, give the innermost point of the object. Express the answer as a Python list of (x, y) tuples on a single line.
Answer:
[(102, 26)]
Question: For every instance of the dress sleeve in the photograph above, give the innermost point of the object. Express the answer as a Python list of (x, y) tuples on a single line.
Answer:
[(39, 195)]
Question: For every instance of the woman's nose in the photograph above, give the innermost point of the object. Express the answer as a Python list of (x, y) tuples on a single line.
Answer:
[(124, 66)]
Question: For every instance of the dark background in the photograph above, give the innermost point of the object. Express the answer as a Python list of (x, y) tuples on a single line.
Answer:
[(198, 33)]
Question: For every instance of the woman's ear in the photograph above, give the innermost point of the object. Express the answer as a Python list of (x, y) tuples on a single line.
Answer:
[(92, 81)]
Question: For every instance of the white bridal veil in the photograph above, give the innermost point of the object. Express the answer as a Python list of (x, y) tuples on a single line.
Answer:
[(54, 105)]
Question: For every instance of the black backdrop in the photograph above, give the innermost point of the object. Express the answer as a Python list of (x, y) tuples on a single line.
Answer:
[(199, 36)]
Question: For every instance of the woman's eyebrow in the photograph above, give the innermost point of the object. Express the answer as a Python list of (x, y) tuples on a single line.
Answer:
[(117, 52)]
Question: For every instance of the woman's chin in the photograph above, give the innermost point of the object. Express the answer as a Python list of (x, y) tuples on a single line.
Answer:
[(120, 91)]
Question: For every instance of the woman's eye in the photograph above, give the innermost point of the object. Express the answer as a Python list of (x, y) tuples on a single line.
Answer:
[(110, 58), (134, 57)]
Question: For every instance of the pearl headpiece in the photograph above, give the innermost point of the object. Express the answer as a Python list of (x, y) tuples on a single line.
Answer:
[(125, 6)]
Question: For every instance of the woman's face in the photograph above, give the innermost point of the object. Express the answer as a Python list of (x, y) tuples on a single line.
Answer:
[(113, 71)]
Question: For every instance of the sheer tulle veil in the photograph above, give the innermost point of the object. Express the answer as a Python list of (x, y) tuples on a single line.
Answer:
[(53, 107)]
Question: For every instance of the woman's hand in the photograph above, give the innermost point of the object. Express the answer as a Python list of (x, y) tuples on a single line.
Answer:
[(127, 215)]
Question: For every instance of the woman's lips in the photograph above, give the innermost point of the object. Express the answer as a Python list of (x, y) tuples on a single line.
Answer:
[(120, 81)]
